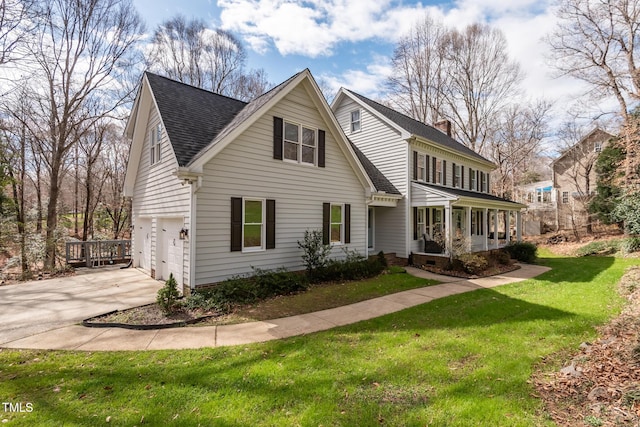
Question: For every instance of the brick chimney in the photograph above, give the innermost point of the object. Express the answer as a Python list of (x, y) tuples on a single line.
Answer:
[(443, 126)]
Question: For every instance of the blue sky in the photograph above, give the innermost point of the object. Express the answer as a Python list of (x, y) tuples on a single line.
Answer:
[(350, 42)]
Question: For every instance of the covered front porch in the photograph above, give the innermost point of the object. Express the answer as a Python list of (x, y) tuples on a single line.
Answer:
[(450, 221)]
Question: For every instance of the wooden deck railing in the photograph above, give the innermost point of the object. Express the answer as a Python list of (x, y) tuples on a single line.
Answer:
[(94, 253)]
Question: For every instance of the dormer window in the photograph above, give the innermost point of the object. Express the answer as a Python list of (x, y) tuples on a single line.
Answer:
[(355, 121)]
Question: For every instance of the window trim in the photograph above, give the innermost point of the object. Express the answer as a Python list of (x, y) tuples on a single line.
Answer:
[(422, 170), (341, 223), (565, 197), (300, 143), (439, 172), (457, 175), (358, 121), (155, 154), (262, 224)]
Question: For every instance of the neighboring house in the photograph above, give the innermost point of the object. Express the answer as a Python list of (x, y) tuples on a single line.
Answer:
[(541, 213), (220, 186), (445, 184), (574, 180)]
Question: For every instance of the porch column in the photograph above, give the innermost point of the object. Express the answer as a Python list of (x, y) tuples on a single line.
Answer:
[(519, 226), (507, 226), (495, 229), (467, 231), (448, 229), (485, 229)]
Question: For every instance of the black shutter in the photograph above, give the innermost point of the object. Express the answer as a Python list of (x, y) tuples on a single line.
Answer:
[(461, 176), (488, 186), (434, 180), (427, 178), (471, 178), (444, 172), (271, 224), (236, 224), (415, 165), (453, 175), (347, 223), (415, 223), (277, 138), (326, 223), (478, 186), (321, 148)]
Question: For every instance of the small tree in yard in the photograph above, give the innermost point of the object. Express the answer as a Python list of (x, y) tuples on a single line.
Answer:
[(316, 253), (168, 295)]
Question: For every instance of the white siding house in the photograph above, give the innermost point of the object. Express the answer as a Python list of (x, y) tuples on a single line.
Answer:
[(445, 184), (237, 184)]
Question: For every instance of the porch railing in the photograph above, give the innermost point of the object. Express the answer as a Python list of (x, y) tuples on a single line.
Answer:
[(94, 253)]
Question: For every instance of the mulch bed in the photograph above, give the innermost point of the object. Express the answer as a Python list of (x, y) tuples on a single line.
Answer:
[(600, 384), (492, 271), (148, 317)]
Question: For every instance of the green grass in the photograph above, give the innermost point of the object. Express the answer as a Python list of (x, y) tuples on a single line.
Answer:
[(465, 360), (322, 297)]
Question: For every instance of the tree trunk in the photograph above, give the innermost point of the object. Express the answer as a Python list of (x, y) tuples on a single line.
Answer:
[(52, 212)]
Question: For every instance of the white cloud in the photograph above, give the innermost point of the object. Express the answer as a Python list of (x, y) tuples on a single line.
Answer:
[(369, 82), (314, 28)]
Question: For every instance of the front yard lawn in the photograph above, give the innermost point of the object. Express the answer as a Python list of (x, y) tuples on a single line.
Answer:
[(465, 360)]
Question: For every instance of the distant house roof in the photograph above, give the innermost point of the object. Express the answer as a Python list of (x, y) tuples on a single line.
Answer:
[(192, 117), (601, 135), (419, 129), (195, 119), (457, 192)]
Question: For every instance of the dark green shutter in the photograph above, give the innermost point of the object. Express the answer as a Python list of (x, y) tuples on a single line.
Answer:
[(326, 223), (277, 138), (347, 223), (415, 223), (426, 169), (321, 148), (271, 224), (434, 171), (415, 165), (444, 172), (236, 224)]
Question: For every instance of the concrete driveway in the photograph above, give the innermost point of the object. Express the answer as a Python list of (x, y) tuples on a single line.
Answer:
[(33, 307)]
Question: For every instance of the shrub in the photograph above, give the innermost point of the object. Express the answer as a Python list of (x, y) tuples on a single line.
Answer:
[(240, 290), (354, 267), (599, 247), (630, 245), (522, 251), (198, 300), (315, 253), (473, 263), (168, 295), (502, 257)]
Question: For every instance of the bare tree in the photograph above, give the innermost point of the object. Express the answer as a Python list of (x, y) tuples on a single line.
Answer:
[(597, 41), (516, 144), (419, 72), (81, 48), (17, 22), (483, 81), (464, 76), (190, 52)]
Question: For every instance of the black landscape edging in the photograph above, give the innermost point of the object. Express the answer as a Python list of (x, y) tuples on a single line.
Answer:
[(89, 324)]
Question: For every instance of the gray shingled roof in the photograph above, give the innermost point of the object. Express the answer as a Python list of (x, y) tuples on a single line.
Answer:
[(192, 117), (195, 119), (420, 129), (379, 180), (466, 193)]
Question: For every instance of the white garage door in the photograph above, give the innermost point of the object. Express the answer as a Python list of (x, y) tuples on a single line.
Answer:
[(171, 252), (143, 244)]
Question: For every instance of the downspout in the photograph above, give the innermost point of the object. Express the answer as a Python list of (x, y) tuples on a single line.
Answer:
[(195, 186)]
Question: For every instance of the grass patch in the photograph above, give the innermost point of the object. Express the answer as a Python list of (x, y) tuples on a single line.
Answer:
[(325, 296), (464, 360)]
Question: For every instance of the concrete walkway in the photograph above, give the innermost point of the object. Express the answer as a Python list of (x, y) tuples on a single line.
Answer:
[(75, 337)]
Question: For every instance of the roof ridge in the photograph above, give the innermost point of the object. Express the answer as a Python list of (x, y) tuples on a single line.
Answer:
[(194, 87)]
